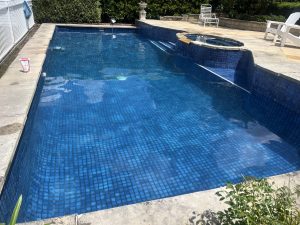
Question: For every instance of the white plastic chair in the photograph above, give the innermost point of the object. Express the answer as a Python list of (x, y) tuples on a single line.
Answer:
[(281, 27), (286, 35), (206, 16)]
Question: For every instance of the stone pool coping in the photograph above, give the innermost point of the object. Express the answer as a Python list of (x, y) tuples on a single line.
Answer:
[(16, 93), (182, 37)]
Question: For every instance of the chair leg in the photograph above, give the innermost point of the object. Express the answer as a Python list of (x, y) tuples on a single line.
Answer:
[(275, 38), (266, 34), (283, 40)]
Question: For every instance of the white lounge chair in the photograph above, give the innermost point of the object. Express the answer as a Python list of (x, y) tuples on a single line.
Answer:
[(277, 28), (206, 16), (286, 35)]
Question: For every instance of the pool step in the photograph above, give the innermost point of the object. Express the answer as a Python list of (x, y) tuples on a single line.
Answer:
[(168, 47)]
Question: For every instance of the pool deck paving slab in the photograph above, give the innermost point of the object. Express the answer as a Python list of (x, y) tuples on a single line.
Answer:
[(17, 90)]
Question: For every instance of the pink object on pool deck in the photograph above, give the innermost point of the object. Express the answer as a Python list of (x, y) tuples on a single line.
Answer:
[(25, 64)]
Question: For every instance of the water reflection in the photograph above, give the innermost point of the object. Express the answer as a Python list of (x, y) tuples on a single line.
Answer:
[(93, 90)]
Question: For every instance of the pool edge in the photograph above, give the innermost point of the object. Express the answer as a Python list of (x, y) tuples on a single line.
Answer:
[(175, 210), (22, 87)]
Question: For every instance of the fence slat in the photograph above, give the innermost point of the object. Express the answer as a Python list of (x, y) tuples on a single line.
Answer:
[(13, 24)]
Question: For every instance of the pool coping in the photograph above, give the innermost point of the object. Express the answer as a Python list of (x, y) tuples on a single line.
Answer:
[(182, 37), (176, 210), (16, 95)]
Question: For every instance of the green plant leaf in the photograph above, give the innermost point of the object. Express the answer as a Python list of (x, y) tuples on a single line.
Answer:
[(256, 201), (219, 194), (16, 211)]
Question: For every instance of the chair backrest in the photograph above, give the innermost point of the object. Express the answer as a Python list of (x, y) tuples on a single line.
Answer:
[(293, 18), (205, 11), (205, 8)]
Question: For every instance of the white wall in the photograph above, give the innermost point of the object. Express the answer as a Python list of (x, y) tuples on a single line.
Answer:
[(13, 24)]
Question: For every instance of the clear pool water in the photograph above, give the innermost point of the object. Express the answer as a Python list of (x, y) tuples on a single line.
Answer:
[(117, 121), (214, 40)]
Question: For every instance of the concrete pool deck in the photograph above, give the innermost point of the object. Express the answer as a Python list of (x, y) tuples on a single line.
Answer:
[(16, 93), (17, 90)]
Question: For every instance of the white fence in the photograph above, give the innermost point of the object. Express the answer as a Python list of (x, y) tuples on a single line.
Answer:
[(13, 24)]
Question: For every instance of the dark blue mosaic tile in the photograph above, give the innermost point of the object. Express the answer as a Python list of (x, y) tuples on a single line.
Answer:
[(281, 89), (234, 65), (117, 121), (157, 33)]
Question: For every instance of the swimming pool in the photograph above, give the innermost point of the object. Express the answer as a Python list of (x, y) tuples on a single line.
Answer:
[(116, 120)]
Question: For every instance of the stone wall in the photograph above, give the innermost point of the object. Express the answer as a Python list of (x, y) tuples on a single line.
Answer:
[(248, 25), (242, 24), (171, 18), (227, 22)]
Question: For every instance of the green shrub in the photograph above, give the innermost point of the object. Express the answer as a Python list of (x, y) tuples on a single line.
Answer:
[(122, 11), (257, 201), (158, 8), (66, 11), (286, 8), (253, 202), (257, 10), (228, 7), (235, 8), (127, 10), (89, 11)]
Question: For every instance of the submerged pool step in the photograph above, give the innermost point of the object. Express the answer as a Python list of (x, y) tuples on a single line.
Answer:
[(168, 47)]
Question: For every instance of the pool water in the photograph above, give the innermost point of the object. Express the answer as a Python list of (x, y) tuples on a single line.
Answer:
[(213, 40), (117, 121)]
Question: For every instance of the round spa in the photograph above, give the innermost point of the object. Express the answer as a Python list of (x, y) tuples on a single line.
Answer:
[(225, 57), (214, 40)]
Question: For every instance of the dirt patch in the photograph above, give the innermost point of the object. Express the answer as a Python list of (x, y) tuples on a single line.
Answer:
[(10, 128), (14, 83)]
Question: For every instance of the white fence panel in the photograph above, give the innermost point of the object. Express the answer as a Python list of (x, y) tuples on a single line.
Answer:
[(31, 19), (13, 24), (6, 35)]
